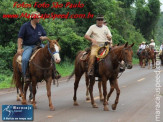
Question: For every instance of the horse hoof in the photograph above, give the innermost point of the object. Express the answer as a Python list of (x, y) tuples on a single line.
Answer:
[(101, 99), (88, 98), (113, 107), (18, 99), (94, 105), (52, 108), (24, 103), (106, 108), (107, 103), (76, 103), (34, 106)]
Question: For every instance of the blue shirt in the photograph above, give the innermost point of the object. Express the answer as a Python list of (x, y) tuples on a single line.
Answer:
[(30, 35)]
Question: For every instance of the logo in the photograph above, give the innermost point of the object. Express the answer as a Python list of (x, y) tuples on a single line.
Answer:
[(17, 112), (39, 33)]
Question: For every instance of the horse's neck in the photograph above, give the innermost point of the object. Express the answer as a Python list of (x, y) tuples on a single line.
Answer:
[(46, 55), (116, 55)]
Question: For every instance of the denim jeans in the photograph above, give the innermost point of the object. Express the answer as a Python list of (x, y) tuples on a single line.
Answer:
[(26, 56)]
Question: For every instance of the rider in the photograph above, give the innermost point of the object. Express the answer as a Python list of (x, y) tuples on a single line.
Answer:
[(141, 47), (98, 34), (161, 48), (31, 33), (152, 44)]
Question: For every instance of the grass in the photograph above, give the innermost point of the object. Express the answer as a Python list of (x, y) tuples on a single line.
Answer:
[(5, 81), (135, 61), (65, 69)]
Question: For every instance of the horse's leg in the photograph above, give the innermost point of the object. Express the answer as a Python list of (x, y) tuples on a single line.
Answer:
[(48, 87), (92, 82), (31, 94), (149, 64), (153, 63), (34, 83), (77, 79), (115, 82), (143, 65), (18, 97), (100, 91), (104, 85), (87, 86), (111, 91), (25, 92)]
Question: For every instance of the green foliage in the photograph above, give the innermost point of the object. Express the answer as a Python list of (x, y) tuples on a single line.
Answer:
[(147, 15), (127, 24)]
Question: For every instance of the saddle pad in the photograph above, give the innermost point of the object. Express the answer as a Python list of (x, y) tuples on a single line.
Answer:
[(103, 52), (19, 58), (85, 56)]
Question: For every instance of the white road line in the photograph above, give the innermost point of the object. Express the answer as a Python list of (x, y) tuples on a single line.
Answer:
[(141, 79)]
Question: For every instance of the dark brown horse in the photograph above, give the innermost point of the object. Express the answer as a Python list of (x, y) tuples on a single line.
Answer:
[(40, 68), (108, 69)]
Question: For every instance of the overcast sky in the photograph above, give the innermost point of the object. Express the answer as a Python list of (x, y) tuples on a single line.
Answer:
[(161, 5)]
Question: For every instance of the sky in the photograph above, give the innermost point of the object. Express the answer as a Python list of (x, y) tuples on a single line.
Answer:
[(161, 5)]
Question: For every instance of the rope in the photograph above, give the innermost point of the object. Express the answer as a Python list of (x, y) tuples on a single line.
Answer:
[(106, 52)]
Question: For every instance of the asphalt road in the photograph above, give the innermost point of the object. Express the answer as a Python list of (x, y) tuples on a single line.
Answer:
[(136, 104)]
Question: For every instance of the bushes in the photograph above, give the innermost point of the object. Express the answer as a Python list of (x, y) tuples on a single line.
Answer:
[(6, 56)]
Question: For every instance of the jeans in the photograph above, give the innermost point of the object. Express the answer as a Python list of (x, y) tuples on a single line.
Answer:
[(26, 56)]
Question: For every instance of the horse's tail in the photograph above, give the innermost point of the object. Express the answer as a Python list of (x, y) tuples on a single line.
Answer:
[(16, 78), (71, 75)]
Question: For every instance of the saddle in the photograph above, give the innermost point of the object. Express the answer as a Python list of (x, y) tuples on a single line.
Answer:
[(86, 54), (34, 52)]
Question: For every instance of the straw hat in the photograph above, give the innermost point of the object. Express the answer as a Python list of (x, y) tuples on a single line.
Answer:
[(143, 42), (35, 15), (152, 40)]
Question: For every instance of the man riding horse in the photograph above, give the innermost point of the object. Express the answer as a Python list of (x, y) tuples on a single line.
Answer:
[(97, 34), (31, 34)]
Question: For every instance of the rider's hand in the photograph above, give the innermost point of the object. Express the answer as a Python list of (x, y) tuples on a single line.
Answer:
[(20, 51), (94, 42), (42, 38)]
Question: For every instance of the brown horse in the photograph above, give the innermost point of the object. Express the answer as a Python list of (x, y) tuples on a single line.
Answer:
[(151, 55), (143, 58), (40, 68), (83, 66), (161, 57), (108, 69)]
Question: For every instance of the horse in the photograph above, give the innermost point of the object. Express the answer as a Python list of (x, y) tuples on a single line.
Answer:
[(151, 55), (108, 69), (143, 58), (81, 67), (161, 57), (41, 67)]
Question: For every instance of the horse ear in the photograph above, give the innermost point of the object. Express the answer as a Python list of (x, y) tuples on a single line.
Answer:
[(58, 39), (132, 45), (126, 44)]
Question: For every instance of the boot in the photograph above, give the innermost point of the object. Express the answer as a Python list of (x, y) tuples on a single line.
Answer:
[(57, 75)]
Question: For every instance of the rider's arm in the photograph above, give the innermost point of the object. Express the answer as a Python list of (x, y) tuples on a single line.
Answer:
[(90, 39), (88, 35), (20, 50)]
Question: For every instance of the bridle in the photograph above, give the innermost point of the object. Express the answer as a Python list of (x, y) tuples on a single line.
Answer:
[(51, 53)]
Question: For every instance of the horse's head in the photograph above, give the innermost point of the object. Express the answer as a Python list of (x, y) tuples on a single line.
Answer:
[(54, 48), (127, 55)]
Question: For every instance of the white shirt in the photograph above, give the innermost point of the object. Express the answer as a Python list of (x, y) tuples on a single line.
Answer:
[(152, 44), (161, 47), (142, 46), (99, 33)]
